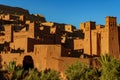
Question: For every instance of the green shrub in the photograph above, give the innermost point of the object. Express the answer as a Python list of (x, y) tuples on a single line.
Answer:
[(32, 75), (50, 75), (81, 71), (10, 67), (110, 68)]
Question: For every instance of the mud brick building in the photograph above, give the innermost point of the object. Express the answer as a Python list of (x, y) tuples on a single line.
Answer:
[(48, 43)]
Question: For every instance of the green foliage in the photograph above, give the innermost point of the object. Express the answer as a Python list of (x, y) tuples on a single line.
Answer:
[(43, 75), (13, 70), (32, 75), (17, 73), (50, 75), (10, 67), (81, 71), (110, 69)]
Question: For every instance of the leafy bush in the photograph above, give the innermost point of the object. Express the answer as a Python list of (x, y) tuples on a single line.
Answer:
[(32, 75), (10, 67), (18, 73), (81, 71), (50, 75), (110, 69)]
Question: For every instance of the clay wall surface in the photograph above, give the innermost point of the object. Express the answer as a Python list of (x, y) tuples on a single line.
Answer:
[(49, 54), (6, 58), (104, 41), (69, 28), (88, 37), (31, 30), (64, 62), (78, 44), (111, 24), (87, 44), (82, 26), (42, 60), (2, 39), (20, 43), (8, 33), (94, 39), (20, 34)]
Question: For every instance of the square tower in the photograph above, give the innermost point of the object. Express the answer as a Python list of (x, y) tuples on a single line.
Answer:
[(111, 21), (88, 37), (111, 37), (90, 26)]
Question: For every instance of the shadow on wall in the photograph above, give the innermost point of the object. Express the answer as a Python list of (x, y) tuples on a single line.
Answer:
[(4, 47), (17, 50), (0, 62)]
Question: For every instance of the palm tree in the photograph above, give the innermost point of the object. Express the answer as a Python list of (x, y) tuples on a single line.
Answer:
[(110, 68), (81, 71)]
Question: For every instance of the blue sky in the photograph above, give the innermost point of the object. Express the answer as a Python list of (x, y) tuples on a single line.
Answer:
[(70, 11)]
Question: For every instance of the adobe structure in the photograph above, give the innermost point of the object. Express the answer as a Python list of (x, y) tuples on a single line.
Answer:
[(54, 45)]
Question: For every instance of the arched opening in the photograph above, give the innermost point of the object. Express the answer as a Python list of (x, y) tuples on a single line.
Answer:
[(28, 62)]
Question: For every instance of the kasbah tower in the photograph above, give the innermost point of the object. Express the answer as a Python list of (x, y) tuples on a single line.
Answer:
[(53, 45), (101, 39)]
